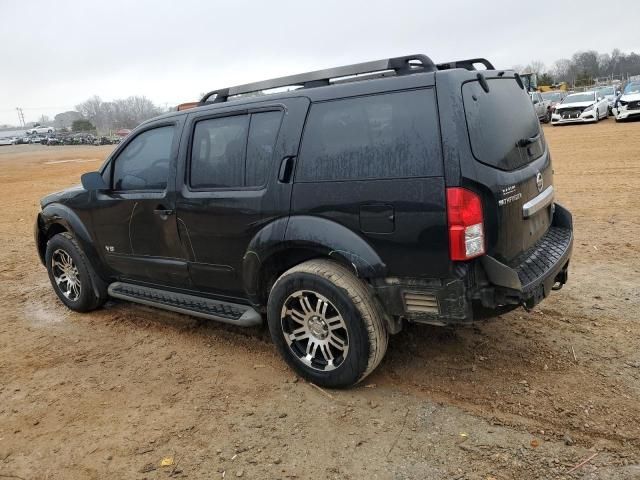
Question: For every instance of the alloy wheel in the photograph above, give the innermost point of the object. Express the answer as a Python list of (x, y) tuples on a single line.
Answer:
[(65, 274), (314, 330)]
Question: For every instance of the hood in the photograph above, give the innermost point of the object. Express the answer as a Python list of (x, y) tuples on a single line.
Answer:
[(575, 104), (62, 196), (630, 97)]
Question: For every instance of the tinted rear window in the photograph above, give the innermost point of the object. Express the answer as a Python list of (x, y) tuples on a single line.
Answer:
[(393, 135), (497, 120)]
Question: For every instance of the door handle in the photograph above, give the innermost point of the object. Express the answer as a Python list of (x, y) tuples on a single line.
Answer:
[(163, 212), (286, 169)]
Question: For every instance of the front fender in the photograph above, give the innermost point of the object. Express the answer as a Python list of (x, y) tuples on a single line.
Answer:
[(325, 237), (59, 214)]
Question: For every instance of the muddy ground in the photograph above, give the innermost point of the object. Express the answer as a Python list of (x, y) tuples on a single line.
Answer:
[(527, 395)]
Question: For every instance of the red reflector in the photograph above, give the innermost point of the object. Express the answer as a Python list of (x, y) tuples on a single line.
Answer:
[(466, 229)]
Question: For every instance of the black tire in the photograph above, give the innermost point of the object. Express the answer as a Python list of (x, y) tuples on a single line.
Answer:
[(362, 322), (547, 117), (91, 292)]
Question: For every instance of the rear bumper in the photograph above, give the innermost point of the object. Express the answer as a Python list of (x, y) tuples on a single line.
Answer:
[(525, 280), (530, 277)]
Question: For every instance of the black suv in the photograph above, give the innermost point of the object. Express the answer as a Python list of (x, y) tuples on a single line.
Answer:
[(373, 194)]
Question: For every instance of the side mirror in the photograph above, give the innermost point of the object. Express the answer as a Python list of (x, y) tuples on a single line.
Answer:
[(93, 181)]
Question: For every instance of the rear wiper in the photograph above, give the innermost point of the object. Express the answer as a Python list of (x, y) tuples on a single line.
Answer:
[(523, 142)]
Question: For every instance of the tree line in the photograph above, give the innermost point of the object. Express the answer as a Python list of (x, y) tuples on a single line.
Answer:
[(121, 113), (584, 68)]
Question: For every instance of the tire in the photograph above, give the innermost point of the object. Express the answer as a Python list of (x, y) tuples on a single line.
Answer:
[(355, 334), (547, 117), (72, 276)]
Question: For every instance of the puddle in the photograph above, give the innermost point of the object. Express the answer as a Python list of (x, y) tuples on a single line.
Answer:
[(72, 160), (41, 316)]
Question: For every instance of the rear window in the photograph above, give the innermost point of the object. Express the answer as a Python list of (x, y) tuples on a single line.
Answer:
[(498, 120), (392, 135)]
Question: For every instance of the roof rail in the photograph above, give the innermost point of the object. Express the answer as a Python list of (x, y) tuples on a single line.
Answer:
[(400, 65), (469, 64)]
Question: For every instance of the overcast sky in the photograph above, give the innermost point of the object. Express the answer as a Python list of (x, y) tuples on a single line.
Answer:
[(55, 54)]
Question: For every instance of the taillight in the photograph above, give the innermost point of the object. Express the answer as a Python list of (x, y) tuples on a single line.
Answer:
[(466, 229)]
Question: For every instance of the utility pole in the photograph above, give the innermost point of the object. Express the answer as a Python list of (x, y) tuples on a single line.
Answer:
[(20, 117)]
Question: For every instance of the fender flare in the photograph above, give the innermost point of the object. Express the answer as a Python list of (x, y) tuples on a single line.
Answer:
[(57, 213), (320, 235)]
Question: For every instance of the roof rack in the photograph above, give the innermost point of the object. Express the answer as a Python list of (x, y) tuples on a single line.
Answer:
[(359, 71), (400, 65), (469, 64)]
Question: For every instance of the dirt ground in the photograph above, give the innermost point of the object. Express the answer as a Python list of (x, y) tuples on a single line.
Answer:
[(527, 395)]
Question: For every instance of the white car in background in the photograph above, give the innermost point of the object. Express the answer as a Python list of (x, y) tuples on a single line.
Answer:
[(628, 105), (6, 141), (583, 107), (39, 130)]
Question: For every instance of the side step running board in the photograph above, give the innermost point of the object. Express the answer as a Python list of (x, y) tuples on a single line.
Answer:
[(231, 313)]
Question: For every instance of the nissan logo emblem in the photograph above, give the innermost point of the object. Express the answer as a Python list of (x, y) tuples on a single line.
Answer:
[(539, 181)]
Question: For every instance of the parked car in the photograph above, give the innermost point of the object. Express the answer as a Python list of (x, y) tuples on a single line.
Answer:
[(38, 130), (628, 104), (610, 95), (340, 211), (541, 106), (36, 139), (554, 97), (580, 108), (6, 141)]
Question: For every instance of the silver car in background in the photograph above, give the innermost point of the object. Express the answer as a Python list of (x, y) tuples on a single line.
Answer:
[(609, 94)]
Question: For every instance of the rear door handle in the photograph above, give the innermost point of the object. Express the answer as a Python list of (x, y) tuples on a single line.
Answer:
[(286, 169), (163, 212)]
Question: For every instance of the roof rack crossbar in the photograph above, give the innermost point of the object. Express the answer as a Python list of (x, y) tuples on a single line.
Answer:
[(469, 64), (401, 66)]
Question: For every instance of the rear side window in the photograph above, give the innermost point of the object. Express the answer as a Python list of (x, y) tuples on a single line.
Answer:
[(236, 151), (392, 135), (497, 120), (263, 132), (144, 162)]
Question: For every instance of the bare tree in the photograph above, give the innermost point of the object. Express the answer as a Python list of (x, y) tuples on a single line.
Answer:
[(536, 67), (121, 113)]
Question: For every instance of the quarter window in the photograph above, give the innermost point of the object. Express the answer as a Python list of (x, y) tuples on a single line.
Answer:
[(392, 135), (144, 162)]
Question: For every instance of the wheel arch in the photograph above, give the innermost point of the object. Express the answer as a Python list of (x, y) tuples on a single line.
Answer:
[(277, 248), (57, 218)]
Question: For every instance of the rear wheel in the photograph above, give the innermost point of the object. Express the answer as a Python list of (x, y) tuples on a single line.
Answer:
[(547, 117), (71, 275), (325, 324)]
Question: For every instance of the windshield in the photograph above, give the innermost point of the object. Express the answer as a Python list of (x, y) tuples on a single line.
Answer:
[(552, 96), (606, 91), (632, 88), (580, 97)]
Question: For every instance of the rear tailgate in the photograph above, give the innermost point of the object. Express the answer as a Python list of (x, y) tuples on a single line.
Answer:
[(510, 164)]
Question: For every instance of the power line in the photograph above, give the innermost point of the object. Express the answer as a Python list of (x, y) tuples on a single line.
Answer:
[(20, 116)]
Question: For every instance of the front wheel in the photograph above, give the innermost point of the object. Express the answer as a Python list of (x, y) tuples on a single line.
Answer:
[(326, 324), (71, 274), (547, 117)]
